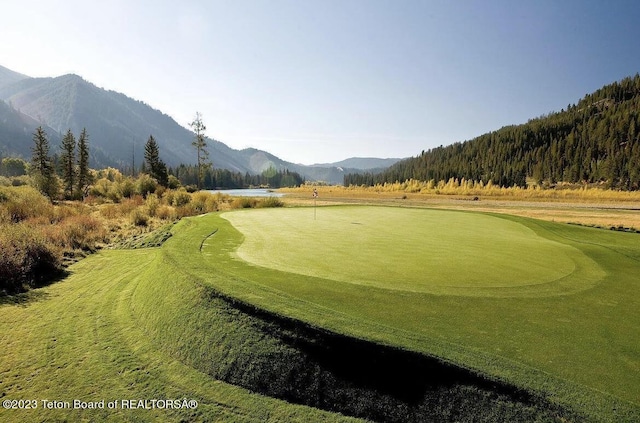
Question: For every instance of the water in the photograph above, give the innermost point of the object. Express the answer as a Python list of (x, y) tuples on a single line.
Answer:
[(248, 192)]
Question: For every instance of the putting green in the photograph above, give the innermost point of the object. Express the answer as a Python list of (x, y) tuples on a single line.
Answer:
[(416, 250)]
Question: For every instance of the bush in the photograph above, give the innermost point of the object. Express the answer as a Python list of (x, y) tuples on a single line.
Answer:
[(166, 213), (270, 202), (181, 198), (152, 202), (101, 188), (169, 197), (25, 202), (139, 218), (26, 259), (79, 232), (173, 182), (145, 185), (243, 203), (127, 188), (204, 202)]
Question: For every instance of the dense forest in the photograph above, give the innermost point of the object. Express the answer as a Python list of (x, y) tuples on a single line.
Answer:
[(595, 141), (226, 179)]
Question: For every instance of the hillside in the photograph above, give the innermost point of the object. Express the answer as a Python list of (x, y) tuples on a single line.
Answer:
[(118, 127), (594, 141), (7, 76), (16, 132), (115, 122), (364, 163)]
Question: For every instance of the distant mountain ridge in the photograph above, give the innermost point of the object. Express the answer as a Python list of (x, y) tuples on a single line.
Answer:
[(364, 163), (7, 76), (118, 127)]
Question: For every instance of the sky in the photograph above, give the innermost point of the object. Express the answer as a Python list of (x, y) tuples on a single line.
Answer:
[(318, 81)]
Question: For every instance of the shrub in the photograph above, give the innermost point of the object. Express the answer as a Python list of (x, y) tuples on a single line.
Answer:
[(145, 185), (270, 202), (26, 259), (166, 213), (82, 232), (160, 190), (139, 218), (152, 204), (25, 202), (181, 198), (19, 181), (173, 182), (127, 188), (110, 211), (204, 202), (243, 203), (101, 188), (168, 197)]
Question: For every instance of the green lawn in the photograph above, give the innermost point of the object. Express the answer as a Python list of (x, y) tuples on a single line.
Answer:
[(98, 335), (575, 338), (158, 323), (428, 251)]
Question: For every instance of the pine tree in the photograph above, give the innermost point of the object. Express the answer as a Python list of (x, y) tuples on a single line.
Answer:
[(68, 163), (42, 168), (157, 168), (200, 144), (83, 179)]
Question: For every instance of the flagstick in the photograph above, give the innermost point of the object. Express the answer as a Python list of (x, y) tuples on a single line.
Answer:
[(315, 198)]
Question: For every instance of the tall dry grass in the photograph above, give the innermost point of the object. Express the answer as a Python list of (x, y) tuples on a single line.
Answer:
[(38, 236), (560, 192)]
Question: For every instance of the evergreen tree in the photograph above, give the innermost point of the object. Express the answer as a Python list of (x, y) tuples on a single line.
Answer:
[(595, 141), (68, 163), (200, 144), (42, 168), (83, 179), (157, 168)]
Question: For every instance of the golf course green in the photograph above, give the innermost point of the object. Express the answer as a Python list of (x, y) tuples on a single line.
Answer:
[(385, 313), (431, 251)]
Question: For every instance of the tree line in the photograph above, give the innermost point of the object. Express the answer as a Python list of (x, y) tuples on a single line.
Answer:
[(226, 179), (69, 171), (594, 141)]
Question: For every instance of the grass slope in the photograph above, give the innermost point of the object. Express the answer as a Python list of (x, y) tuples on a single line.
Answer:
[(82, 339)]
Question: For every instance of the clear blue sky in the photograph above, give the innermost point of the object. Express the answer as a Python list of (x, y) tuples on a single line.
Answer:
[(320, 81)]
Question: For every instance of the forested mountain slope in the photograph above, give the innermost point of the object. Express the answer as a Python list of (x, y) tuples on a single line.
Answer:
[(118, 127), (595, 140)]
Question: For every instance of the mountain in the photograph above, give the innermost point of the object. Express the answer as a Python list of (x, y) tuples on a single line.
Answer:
[(7, 76), (363, 163), (116, 124), (16, 133), (118, 127), (595, 141)]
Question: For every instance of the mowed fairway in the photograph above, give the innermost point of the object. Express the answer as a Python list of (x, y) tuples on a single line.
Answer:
[(431, 251), (550, 307)]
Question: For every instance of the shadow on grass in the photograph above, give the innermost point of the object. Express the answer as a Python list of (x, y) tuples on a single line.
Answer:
[(32, 293), (311, 366)]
